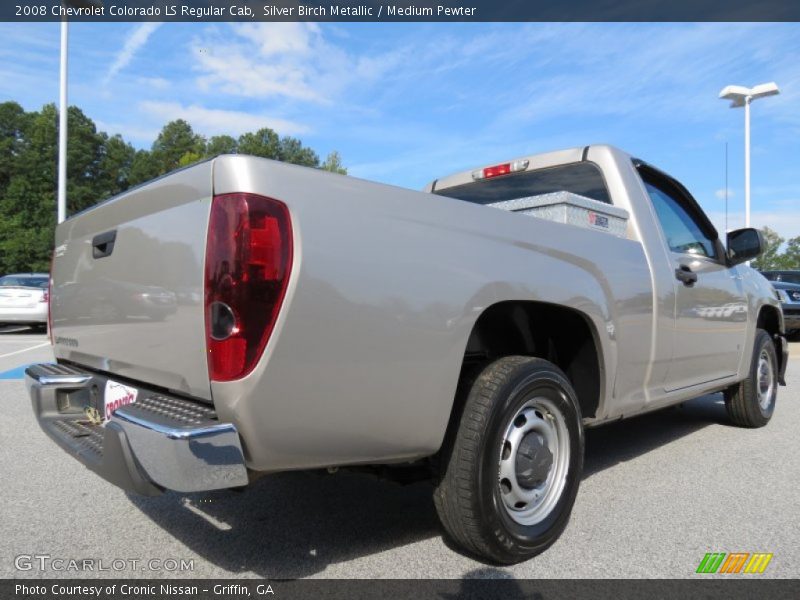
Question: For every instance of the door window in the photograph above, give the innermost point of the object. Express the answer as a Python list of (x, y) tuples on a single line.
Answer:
[(684, 234)]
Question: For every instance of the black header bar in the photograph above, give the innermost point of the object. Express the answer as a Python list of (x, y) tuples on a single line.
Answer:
[(401, 11)]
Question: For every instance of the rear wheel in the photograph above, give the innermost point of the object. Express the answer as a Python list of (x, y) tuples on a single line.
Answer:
[(512, 469), (751, 402)]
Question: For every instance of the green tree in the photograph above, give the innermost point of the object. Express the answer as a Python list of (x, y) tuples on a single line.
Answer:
[(791, 256), (12, 123), (28, 208), (264, 143), (99, 166), (177, 138), (333, 163), (291, 150), (115, 166), (144, 167), (771, 257), (85, 148), (221, 144)]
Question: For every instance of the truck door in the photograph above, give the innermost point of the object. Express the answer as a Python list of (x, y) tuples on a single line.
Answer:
[(710, 309)]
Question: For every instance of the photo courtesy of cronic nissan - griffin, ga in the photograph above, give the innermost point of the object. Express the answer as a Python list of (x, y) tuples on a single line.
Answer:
[(243, 316)]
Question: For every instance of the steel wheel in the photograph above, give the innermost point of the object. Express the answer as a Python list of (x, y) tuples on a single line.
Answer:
[(766, 379), (534, 460)]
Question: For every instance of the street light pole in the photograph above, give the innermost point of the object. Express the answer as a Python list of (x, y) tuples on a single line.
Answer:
[(747, 102), (62, 125), (742, 96)]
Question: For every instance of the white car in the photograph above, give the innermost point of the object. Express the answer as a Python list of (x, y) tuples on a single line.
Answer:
[(24, 299)]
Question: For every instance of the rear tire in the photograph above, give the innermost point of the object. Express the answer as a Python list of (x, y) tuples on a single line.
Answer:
[(751, 402), (512, 470)]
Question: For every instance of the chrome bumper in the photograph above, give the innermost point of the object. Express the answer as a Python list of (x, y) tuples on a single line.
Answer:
[(160, 442)]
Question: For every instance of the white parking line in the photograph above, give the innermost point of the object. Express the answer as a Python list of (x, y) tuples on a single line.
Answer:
[(25, 350)]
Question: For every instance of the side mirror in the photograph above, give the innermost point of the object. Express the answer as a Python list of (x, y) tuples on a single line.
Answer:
[(744, 244)]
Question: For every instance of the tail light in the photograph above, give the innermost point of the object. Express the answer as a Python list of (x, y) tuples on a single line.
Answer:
[(248, 260), (45, 295), (502, 169)]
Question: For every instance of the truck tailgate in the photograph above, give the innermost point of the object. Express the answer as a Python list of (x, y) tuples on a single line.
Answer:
[(127, 292)]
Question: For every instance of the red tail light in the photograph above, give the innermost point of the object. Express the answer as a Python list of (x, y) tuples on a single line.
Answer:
[(248, 260), (498, 170)]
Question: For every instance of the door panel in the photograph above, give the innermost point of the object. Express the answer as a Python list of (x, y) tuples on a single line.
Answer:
[(710, 306)]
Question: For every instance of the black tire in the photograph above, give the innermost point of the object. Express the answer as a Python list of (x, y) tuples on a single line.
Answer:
[(469, 497), (747, 403)]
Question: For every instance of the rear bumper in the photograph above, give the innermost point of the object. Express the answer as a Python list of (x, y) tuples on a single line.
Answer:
[(36, 314), (160, 442)]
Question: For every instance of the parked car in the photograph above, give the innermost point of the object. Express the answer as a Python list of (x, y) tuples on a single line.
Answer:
[(24, 299), (470, 333), (789, 294), (789, 276)]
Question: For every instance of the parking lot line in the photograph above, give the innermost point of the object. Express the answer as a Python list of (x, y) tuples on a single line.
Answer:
[(25, 350)]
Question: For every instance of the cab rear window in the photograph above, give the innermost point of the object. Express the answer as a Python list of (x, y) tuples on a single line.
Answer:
[(583, 178)]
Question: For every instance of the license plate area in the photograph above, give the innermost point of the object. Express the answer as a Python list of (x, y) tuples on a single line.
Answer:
[(115, 396)]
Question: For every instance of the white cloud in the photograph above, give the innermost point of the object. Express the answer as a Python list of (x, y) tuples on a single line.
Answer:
[(284, 61), (720, 193), (155, 83), (133, 43), (211, 121)]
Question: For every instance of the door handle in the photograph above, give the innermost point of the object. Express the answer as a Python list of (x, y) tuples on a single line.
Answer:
[(103, 244), (685, 275)]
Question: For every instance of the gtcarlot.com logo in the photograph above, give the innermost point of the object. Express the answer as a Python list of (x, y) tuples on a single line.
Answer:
[(735, 562)]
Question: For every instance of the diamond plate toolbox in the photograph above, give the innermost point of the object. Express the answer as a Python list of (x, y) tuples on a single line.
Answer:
[(572, 209)]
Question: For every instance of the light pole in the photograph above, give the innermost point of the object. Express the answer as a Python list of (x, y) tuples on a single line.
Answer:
[(63, 107), (62, 124), (742, 96)]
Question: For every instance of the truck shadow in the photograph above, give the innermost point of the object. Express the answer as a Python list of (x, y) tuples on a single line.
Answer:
[(621, 441), (293, 525)]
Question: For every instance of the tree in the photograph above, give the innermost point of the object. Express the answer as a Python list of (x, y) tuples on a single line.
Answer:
[(12, 122), (791, 256), (770, 259), (175, 141), (144, 167), (333, 163), (115, 166), (263, 143), (98, 166), (221, 144)]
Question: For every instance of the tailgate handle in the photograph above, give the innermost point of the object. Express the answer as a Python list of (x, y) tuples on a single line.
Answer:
[(103, 244)]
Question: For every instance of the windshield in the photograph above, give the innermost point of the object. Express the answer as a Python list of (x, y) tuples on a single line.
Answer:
[(583, 178), (15, 281)]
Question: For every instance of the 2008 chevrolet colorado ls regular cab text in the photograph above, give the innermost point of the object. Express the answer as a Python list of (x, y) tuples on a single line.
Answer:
[(317, 320)]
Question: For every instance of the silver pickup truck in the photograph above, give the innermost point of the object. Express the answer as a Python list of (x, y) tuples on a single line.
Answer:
[(244, 316)]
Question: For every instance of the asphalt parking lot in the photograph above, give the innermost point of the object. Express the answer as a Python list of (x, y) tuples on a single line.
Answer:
[(658, 493)]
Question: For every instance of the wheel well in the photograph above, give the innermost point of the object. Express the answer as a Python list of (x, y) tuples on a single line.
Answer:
[(558, 334), (768, 320)]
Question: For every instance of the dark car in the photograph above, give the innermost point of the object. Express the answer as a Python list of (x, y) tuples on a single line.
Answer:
[(788, 276), (789, 294)]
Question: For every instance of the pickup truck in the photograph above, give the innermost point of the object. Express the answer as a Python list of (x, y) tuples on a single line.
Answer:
[(470, 332)]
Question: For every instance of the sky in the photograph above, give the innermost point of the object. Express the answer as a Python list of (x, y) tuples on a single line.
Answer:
[(407, 103)]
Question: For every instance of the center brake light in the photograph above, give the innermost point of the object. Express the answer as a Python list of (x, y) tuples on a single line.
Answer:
[(248, 261), (502, 169)]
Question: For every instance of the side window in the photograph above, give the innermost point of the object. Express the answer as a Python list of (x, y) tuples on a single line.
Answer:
[(684, 235)]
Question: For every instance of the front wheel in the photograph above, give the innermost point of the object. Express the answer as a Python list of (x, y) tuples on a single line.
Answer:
[(750, 403), (512, 469)]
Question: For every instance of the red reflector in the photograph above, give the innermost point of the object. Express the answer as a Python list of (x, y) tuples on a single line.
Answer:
[(496, 170), (248, 260)]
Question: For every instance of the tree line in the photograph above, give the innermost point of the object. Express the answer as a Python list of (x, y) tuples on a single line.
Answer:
[(778, 256), (99, 166)]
